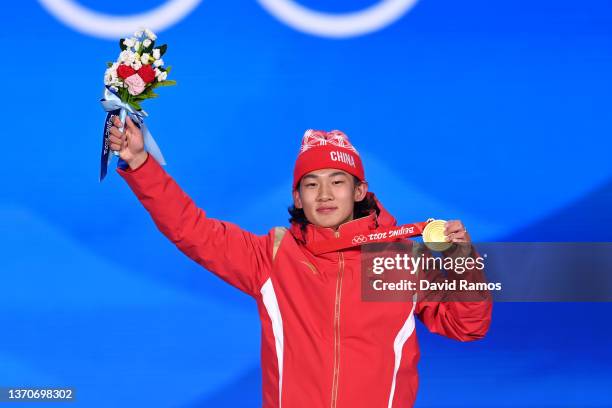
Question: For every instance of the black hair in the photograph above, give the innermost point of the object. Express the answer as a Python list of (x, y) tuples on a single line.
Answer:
[(362, 208)]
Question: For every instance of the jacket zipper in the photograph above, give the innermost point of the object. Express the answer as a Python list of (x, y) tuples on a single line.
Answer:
[(334, 399)]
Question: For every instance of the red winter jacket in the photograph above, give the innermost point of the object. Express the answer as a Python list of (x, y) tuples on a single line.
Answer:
[(322, 346)]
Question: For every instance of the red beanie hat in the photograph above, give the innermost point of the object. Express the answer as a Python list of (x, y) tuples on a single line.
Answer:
[(323, 150)]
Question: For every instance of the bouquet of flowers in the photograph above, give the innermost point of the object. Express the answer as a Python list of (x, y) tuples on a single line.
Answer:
[(131, 79)]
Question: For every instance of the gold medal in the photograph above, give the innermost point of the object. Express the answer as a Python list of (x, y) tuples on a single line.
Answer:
[(433, 236)]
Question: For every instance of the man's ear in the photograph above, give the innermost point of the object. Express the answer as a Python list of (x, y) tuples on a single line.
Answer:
[(297, 201), (361, 190)]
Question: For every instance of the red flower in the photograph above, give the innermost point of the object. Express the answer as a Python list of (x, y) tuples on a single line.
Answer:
[(147, 74), (125, 71)]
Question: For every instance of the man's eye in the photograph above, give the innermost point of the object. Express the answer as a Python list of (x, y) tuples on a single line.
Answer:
[(337, 181), (310, 184)]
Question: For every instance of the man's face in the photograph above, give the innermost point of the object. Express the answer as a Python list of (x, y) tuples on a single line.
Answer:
[(328, 196)]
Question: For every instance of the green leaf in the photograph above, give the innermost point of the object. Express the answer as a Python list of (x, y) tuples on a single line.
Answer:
[(166, 83), (162, 49), (122, 45), (109, 64), (167, 69), (145, 95), (123, 94), (135, 105)]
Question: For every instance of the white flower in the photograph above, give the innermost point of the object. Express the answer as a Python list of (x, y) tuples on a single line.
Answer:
[(157, 72), (110, 75), (129, 42), (136, 65), (145, 58), (113, 68), (137, 46), (112, 82), (127, 56), (139, 33), (150, 34), (146, 42), (162, 76), (158, 63), (156, 53)]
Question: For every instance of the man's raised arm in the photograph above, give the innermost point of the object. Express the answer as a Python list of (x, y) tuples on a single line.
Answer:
[(236, 256)]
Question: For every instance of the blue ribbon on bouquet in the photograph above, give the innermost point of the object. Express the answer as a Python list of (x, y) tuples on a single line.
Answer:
[(113, 105)]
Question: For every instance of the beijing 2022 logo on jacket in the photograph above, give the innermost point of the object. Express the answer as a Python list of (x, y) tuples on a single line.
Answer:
[(296, 16)]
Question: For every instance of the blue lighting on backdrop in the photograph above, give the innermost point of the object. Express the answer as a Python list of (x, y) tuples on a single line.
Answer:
[(497, 113)]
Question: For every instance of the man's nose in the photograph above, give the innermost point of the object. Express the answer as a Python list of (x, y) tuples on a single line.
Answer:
[(324, 193)]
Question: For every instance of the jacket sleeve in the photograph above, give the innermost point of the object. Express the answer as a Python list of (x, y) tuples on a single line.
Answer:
[(453, 314), (238, 257)]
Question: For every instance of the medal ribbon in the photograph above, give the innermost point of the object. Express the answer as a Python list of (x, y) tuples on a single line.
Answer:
[(388, 234)]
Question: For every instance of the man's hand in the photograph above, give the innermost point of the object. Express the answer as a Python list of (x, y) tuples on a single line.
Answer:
[(129, 143), (456, 233)]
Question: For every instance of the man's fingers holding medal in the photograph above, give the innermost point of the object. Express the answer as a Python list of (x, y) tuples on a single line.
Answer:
[(455, 232)]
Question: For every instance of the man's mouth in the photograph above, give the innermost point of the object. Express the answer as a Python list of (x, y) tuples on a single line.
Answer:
[(326, 210)]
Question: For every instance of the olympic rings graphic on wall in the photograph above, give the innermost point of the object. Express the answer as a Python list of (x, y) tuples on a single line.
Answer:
[(296, 16), (336, 25), (96, 24)]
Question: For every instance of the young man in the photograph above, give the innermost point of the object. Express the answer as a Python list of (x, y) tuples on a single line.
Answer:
[(322, 345)]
